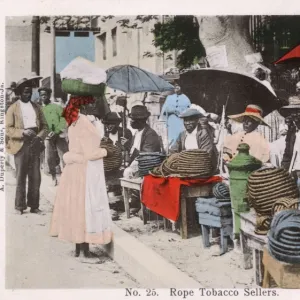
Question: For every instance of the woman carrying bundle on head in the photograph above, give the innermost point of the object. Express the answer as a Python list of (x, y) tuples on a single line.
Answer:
[(81, 211)]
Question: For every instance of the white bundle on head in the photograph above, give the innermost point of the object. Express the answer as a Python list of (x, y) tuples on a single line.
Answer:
[(84, 70)]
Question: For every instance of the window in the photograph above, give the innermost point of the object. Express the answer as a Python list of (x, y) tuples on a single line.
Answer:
[(114, 41), (103, 44)]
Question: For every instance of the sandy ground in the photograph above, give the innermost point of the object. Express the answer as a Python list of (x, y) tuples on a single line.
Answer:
[(204, 265), (34, 260)]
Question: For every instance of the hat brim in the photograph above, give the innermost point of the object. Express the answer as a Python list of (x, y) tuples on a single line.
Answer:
[(183, 116), (114, 121), (286, 110), (240, 117)]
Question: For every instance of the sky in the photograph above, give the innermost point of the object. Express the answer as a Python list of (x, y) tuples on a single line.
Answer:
[(68, 48)]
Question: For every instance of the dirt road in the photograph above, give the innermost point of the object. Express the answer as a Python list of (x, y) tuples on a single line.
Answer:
[(34, 260)]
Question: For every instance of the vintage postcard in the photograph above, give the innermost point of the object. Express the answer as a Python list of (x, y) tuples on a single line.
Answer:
[(150, 153)]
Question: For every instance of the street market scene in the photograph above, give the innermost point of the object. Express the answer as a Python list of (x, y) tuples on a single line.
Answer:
[(152, 151)]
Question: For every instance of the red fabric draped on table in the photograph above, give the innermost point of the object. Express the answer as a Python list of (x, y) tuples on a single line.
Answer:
[(162, 195)]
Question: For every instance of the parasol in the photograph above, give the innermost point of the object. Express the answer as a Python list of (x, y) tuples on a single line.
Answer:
[(214, 88), (292, 55), (131, 79)]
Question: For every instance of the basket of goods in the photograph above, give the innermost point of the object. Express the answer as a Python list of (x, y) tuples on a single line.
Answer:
[(284, 236), (82, 77), (147, 161), (265, 187), (113, 161)]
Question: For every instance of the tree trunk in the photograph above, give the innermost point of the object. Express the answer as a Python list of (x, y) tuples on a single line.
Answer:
[(233, 33)]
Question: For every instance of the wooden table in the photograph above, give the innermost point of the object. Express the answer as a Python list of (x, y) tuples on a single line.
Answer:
[(127, 184), (186, 193), (252, 245), (285, 275), (190, 192)]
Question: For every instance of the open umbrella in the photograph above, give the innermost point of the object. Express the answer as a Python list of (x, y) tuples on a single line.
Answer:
[(292, 55), (131, 79), (214, 88)]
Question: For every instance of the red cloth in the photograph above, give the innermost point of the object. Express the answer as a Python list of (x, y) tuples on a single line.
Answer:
[(71, 111), (162, 195)]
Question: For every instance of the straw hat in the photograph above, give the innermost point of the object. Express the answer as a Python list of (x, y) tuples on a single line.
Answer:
[(22, 83), (253, 111)]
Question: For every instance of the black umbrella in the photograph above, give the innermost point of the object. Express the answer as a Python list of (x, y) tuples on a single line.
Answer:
[(213, 88)]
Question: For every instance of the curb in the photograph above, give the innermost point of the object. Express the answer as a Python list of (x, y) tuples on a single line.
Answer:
[(142, 263)]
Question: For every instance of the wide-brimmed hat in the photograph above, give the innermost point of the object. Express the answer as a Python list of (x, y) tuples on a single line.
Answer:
[(253, 111), (139, 112), (191, 112), (111, 118), (46, 89), (294, 104), (23, 82)]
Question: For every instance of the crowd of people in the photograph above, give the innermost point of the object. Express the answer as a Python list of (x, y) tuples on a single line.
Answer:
[(65, 137)]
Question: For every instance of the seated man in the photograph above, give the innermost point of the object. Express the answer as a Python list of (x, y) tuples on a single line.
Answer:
[(259, 146), (114, 132), (145, 139), (198, 134)]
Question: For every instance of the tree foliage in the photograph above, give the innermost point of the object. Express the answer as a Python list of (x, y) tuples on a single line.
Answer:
[(180, 33)]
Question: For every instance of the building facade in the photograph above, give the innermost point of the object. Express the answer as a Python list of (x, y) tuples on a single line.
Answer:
[(115, 45)]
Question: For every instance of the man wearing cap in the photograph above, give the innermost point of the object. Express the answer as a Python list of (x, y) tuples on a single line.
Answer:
[(174, 105), (112, 122), (56, 144), (291, 157), (197, 135), (145, 139), (26, 129), (259, 146)]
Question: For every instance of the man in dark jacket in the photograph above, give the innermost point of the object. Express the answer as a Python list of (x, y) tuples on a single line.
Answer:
[(291, 112), (197, 135), (145, 139)]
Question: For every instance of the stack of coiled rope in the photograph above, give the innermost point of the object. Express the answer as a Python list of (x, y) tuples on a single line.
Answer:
[(149, 160), (284, 236), (265, 187), (221, 192), (186, 164), (112, 162)]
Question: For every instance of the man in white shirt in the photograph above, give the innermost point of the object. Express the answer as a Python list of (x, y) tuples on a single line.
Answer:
[(26, 129), (114, 132), (198, 134)]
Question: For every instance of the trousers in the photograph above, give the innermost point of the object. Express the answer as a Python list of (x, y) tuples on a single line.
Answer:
[(27, 164), (55, 148)]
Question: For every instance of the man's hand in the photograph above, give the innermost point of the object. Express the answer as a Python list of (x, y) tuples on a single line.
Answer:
[(29, 133), (123, 141)]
